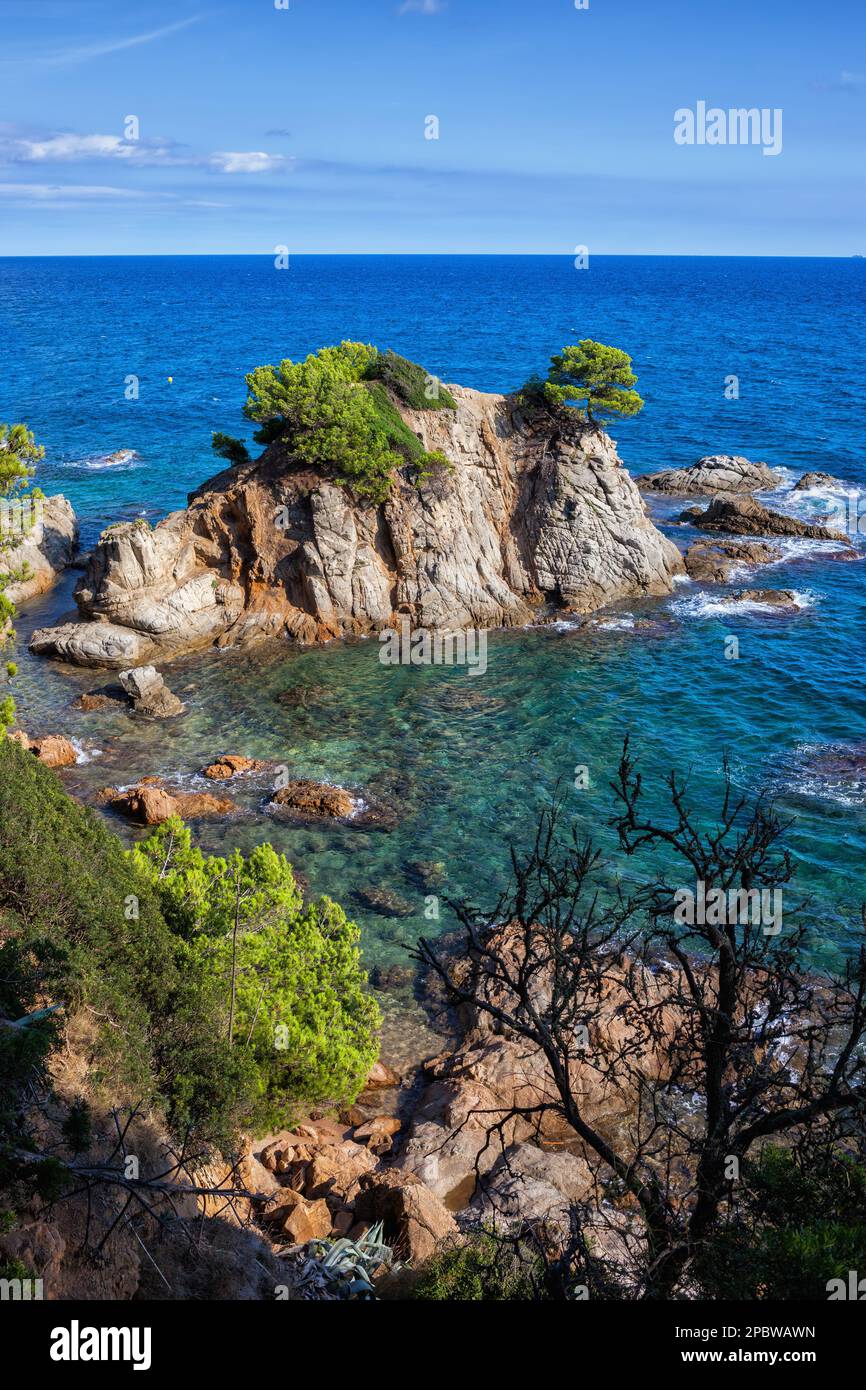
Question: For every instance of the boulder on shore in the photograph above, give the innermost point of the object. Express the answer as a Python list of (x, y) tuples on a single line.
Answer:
[(53, 750), (415, 1221), (719, 473)]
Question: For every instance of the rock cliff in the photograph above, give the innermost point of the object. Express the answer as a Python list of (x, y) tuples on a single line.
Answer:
[(47, 550), (536, 508)]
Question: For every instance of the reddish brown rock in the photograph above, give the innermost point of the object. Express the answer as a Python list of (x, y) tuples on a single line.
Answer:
[(145, 805), (298, 1219), (372, 1132), (381, 1075), (95, 701), (415, 1221), (315, 799), (195, 804), (150, 803), (230, 765), (335, 1171), (54, 750)]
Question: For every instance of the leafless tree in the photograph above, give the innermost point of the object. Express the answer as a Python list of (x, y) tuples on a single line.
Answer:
[(675, 1048)]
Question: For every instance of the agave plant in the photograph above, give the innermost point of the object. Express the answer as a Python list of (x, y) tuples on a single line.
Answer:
[(345, 1268)]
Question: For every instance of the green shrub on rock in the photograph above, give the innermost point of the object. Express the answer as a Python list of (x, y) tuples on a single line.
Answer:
[(335, 411), (285, 978), (480, 1269)]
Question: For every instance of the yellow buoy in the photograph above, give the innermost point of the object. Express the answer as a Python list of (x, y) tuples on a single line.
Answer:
[(170, 380)]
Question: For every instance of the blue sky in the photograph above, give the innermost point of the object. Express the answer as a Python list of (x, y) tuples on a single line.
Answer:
[(305, 127)]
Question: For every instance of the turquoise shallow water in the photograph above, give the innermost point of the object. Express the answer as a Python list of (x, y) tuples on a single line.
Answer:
[(466, 762)]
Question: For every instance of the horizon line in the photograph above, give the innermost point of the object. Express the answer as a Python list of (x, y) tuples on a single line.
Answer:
[(565, 255)]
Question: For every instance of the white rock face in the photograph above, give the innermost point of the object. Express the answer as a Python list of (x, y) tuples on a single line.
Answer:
[(536, 509), (47, 550), (719, 473), (91, 644)]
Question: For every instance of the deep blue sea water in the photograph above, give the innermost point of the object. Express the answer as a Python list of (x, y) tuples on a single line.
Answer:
[(473, 773)]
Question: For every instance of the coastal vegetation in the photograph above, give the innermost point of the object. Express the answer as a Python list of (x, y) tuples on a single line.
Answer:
[(18, 452), (288, 974), (212, 993), (335, 411), (228, 447), (589, 376)]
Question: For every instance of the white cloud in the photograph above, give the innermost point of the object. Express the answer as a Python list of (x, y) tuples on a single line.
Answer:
[(845, 82), (49, 147), (68, 148), (64, 149), (247, 162), (38, 192), (83, 55), (422, 7)]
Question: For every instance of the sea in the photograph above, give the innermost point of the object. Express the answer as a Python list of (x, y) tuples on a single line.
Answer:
[(124, 366)]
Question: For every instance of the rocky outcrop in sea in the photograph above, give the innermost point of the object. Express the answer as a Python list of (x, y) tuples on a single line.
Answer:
[(719, 474), (536, 509)]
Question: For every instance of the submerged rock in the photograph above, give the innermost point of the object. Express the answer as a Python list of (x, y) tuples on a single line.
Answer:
[(711, 562), (537, 507), (315, 799), (426, 874), (743, 516), (773, 598), (838, 761), (391, 976), (384, 901), (719, 473), (230, 765), (303, 696)]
